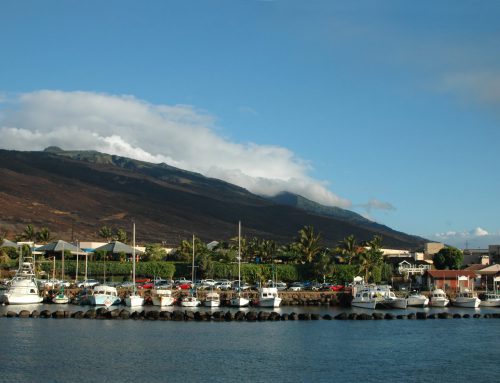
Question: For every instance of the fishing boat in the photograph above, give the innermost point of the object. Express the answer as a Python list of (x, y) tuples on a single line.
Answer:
[(191, 300), (239, 301), (134, 299), (438, 298), (104, 295), (465, 297), (389, 299), (491, 299), (23, 289), (212, 299), (363, 295), (162, 297), (417, 299)]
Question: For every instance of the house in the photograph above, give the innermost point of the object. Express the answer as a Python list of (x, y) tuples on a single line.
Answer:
[(448, 279)]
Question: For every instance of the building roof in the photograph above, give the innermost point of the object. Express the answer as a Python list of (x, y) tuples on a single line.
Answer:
[(7, 243), (117, 247), (451, 274), (490, 270), (475, 267), (59, 246)]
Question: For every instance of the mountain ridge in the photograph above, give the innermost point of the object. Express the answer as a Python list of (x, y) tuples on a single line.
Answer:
[(73, 193)]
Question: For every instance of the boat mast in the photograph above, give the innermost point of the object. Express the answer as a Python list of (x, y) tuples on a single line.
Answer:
[(239, 258), (62, 263), (133, 255), (77, 253)]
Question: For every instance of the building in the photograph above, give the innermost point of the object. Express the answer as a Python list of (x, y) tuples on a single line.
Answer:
[(431, 248), (494, 253), (476, 256), (448, 279)]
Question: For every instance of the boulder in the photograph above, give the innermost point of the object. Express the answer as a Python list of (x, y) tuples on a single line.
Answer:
[(78, 314), (364, 316), (315, 317), (153, 315), (165, 315), (263, 315), (389, 316), (284, 316), (421, 315), (11, 314), (177, 315), (45, 314), (444, 316), (401, 316), (59, 314), (412, 316), (239, 316), (228, 316), (341, 316), (466, 316), (431, 316), (476, 316), (24, 314), (90, 314), (457, 316), (292, 316), (274, 316), (251, 316), (327, 317), (35, 314)]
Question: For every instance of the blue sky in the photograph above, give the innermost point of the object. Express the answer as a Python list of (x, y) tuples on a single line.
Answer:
[(388, 108)]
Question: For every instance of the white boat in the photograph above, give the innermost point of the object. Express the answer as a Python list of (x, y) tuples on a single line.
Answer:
[(104, 295), (61, 297), (491, 299), (389, 299), (22, 289), (190, 300), (363, 296), (162, 297), (417, 299), (239, 301), (465, 297), (212, 299), (134, 299), (268, 297), (438, 298)]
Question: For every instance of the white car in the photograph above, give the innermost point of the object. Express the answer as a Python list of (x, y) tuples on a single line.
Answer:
[(223, 285), (88, 283)]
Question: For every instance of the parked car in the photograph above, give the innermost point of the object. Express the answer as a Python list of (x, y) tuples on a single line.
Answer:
[(184, 286), (126, 285), (88, 283), (223, 285), (296, 286), (147, 285)]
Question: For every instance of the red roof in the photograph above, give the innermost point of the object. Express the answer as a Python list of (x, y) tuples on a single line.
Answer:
[(451, 274)]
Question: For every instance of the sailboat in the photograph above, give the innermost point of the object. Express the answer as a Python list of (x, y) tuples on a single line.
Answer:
[(134, 299), (191, 300), (61, 298), (491, 299), (239, 301)]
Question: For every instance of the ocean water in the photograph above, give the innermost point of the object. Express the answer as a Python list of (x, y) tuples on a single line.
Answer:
[(71, 350)]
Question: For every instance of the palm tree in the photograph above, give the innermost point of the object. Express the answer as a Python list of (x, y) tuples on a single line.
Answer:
[(29, 233), (323, 264), (121, 235), (44, 235), (106, 233), (308, 243), (371, 257), (348, 249)]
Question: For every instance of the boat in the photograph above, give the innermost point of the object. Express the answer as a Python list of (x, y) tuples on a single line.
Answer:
[(389, 299), (465, 297), (162, 297), (212, 299), (438, 298), (22, 288), (417, 299), (239, 301), (104, 295), (268, 297), (134, 299), (190, 300), (363, 295), (491, 299), (60, 297)]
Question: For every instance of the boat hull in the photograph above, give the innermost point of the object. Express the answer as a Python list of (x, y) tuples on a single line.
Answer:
[(417, 301), (270, 302), (211, 303), (493, 302), (439, 302), (470, 303), (371, 304), (240, 302), (163, 301), (134, 301), (103, 300), (60, 299), (14, 299), (190, 302)]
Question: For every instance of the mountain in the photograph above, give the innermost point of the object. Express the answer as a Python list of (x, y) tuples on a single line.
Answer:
[(74, 193)]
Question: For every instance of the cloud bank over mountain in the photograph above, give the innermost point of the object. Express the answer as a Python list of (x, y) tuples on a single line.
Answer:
[(178, 135), (474, 238)]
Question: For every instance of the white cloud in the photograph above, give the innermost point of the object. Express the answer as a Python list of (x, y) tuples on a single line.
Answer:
[(474, 238), (178, 135), (482, 86)]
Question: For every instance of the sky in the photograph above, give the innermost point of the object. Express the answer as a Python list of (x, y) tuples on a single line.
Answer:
[(387, 108)]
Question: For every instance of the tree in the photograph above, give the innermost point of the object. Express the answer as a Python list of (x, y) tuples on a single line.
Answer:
[(44, 235), (29, 233), (371, 258), (308, 243), (121, 235), (448, 258), (323, 265), (154, 252), (106, 233), (348, 249)]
